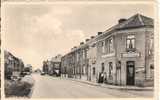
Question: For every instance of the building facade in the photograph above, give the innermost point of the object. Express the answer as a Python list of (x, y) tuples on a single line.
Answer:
[(53, 66), (121, 55), (12, 65)]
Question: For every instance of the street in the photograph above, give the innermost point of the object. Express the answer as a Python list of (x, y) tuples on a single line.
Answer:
[(55, 87)]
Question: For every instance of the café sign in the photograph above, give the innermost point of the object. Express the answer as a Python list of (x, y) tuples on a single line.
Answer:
[(131, 54)]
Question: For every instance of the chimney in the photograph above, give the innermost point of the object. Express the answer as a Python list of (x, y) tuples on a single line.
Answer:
[(81, 43), (92, 37), (87, 40), (99, 33), (121, 20)]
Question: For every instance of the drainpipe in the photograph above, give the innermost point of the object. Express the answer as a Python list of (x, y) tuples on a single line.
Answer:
[(115, 51), (146, 54)]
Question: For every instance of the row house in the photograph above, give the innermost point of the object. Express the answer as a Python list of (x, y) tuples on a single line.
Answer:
[(68, 65), (13, 65), (75, 63), (124, 54)]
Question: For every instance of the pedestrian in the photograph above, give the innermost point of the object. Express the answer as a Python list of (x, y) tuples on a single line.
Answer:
[(99, 78), (102, 77)]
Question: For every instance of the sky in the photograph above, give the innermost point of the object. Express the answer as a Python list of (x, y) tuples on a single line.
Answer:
[(37, 32)]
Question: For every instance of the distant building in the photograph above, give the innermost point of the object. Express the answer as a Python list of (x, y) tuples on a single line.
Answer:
[(27, 69), (45, 67), (53, 66), (123, 54), (56, 65)]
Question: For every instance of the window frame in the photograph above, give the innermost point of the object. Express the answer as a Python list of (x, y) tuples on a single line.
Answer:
[(130, 39), (110, 49), (103, 46), (94, 71), (110, 69), (103, 67)]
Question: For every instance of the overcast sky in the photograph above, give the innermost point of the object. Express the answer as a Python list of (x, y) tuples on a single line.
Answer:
[(38, 32)]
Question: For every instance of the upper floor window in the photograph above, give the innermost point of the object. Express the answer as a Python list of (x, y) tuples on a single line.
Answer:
[(110, 45), (103, 46), (151, 46), (83, 54), (130, 43), (77, 57)]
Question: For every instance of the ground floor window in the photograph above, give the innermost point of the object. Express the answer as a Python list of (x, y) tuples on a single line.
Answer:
[(102, 67), (83, 70), (94, 71), (152, 71), (110, 69)]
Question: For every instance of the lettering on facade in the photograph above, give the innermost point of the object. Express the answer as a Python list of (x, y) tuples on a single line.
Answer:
[(108, 55), (131, 54)]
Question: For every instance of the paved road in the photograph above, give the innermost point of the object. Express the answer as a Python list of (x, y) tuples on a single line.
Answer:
[(52, 87)]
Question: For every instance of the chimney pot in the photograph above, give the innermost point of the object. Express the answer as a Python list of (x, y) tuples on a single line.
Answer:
[(81, 43), (92, 37), (121, 20), (99, 33), (87, 40)]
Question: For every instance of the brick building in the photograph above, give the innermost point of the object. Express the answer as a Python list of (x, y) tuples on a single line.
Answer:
[(123, 54)]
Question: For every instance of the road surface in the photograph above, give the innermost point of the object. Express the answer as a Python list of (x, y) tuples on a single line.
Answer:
[(53, 87)]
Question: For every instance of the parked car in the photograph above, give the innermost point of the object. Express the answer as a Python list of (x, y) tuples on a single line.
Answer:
[(22, 74), (42, 73), (15, 78)]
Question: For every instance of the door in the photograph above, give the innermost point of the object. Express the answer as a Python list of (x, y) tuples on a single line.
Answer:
[(130, 72)]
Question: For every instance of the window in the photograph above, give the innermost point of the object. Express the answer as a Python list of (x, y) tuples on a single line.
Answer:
[(151, 66), (119, 65), (83, 53), (94, 71), (151, 46), (103, 46), (110, 45), (77, 57), (102, 67), (130, 43), (106, 45), (110, 69), (83, 70)]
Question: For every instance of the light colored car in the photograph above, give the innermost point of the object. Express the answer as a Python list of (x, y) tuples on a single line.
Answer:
[(15, 78), (42, 73)]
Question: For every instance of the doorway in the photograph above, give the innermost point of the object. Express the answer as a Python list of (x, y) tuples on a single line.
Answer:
[(130, 72)]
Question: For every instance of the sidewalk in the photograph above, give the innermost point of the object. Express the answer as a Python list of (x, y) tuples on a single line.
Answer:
[(135, 88)]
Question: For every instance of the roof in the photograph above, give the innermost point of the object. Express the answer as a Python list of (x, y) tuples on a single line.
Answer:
[(134, 21), (137, 20)]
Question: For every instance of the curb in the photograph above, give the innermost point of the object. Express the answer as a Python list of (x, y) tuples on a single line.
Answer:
[(94, 84), (32, 88), (31, 92), (110, 87)]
